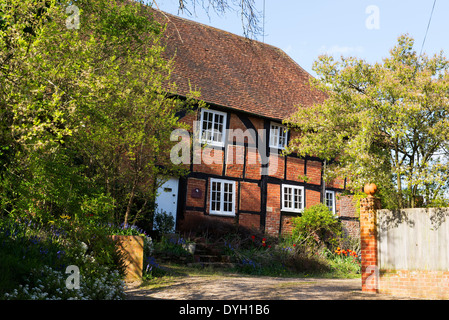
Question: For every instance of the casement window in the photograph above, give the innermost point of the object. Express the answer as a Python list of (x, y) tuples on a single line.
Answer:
[(278, 136), (330, 200), (222, 197), (292, 198), (213, 125)]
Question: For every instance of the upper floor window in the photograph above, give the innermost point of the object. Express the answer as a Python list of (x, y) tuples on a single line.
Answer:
[(278, 136), (330, 200), (213, 125)]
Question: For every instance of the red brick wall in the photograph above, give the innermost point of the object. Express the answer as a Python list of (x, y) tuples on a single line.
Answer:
[(314, 172), (295, 168), (426, 284), (251, 221), (193, 184), (346, 208), (287, 225), (312, 198), (273, 217), (211, 161), (235, 158), (249, 197), (368, 241), (253, 164), (276, 166)]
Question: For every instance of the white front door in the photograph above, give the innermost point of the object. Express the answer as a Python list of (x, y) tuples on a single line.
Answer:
[(167, 197)]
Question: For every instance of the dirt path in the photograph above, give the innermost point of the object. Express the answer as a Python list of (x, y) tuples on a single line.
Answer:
[(256, 288)]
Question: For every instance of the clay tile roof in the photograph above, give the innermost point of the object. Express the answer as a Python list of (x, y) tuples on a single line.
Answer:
[(234, 72)]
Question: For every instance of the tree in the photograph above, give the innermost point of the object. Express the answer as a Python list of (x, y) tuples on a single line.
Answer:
[(385, 123), (90, 108), (249, 14)]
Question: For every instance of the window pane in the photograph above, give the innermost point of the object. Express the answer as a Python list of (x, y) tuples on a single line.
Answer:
[(292, 198), (330, 200), (216, 195), (282, 138), (212, 127), (278, 136), (222, 197), (287, 197), (228, 197), (296, 199), (274, 136)]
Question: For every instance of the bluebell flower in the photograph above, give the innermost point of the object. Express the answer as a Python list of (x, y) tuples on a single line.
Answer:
[(60, 253)]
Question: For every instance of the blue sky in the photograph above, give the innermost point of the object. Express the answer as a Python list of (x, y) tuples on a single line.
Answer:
[(366, 29)]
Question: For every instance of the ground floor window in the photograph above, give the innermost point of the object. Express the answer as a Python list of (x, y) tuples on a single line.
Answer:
[(292, 198), (330, 200), (222, 197)]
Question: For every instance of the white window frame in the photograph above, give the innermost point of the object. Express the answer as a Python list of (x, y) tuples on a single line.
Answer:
[(211, 140), (222, 193), (288, 204), (278, 131), (332, 193)]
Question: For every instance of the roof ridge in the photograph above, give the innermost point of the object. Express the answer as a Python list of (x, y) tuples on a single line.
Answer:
[(234, 35), (234, 71), (217, 29)]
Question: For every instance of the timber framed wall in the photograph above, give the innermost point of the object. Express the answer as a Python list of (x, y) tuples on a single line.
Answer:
[(258, 185)]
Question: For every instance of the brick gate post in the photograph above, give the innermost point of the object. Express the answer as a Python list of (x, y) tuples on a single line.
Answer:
[(368, 239)]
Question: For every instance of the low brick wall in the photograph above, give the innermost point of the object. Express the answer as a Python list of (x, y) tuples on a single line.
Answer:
[(132, 250), (425, 284)]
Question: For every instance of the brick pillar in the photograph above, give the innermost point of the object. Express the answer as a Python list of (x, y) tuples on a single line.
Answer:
[(131, 248), (368, 239)]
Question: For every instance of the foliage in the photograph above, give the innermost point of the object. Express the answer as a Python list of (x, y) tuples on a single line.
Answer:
[(258, 254), (344, 261), (163, 222), (35, 257), (171, 246), (49, 284), (218, 231), (22, 251), (152, 269), (250, 16), (316, 227), (85, 119), (385, 123)]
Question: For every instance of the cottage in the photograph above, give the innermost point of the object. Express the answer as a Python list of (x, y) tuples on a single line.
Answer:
[(238, 173)]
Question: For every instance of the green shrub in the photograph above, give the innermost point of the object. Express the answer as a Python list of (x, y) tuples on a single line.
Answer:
[(32, 252), (26, 246), (317, 227), (163, 222)]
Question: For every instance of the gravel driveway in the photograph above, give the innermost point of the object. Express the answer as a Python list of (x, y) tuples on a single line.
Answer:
[(256, 288)]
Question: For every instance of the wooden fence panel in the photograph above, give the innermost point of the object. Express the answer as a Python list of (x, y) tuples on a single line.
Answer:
[(413, 239)]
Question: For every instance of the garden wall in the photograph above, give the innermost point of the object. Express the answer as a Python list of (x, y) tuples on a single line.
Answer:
[(405, 252), (131, 248)]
